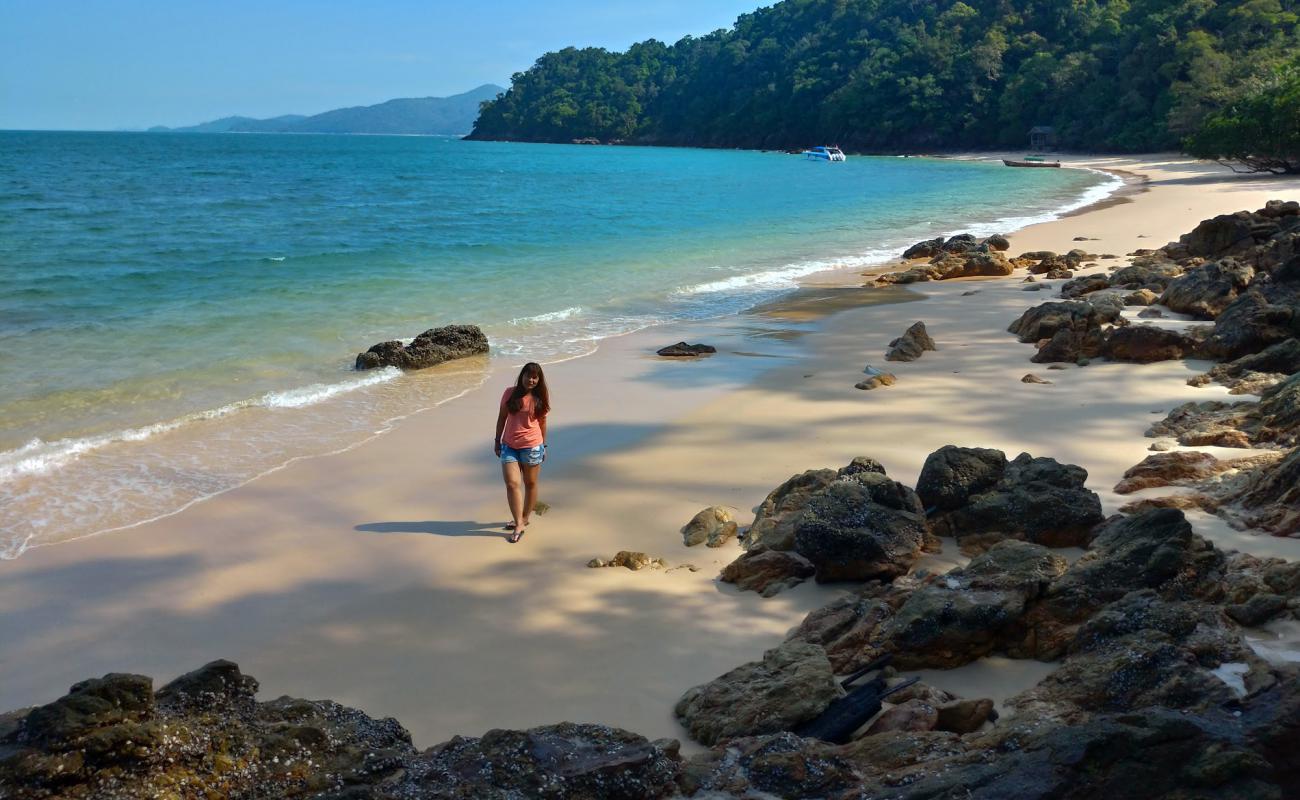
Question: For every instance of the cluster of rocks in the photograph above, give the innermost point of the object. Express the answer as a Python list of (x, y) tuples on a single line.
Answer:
[(1154, 685), (1241, 272), (629, 559), (960, 256), (858, 524), (430, 348)]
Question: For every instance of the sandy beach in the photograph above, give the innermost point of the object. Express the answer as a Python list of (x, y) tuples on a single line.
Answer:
[(380, 577)]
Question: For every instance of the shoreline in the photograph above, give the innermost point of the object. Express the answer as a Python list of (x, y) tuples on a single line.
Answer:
[(176, 430), (286, 576)]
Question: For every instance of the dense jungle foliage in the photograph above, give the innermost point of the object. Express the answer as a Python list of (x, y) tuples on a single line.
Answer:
[(1259, 131), (905, 75)]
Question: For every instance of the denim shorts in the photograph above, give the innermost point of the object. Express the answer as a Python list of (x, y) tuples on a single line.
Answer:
[(532, 456)]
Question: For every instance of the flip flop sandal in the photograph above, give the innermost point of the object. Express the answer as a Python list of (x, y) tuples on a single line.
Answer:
[(515, 537)]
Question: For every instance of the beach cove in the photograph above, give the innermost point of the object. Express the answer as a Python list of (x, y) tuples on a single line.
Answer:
[(379, 577)]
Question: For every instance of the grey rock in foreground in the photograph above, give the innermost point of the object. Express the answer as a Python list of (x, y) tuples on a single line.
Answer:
[(429, 349), (791, 685)]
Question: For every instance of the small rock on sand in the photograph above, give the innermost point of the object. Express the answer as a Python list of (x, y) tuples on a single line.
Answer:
[(682, 349), (1032, 378)]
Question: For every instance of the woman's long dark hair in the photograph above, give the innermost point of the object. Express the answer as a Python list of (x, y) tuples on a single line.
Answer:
[(541, 396)]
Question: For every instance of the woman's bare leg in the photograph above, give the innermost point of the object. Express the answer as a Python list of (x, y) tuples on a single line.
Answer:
[(530, 475), (514, 493)]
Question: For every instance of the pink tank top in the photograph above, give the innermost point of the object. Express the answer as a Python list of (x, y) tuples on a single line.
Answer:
[(523, 428)]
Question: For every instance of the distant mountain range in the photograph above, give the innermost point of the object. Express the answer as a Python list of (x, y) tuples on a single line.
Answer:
[(428, 115)]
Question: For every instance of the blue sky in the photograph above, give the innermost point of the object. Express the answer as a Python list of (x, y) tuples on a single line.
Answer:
[(83, 65)]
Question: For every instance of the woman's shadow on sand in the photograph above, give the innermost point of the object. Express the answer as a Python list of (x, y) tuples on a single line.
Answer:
[(438, 528)]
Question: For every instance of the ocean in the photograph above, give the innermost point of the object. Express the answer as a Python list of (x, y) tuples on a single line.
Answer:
[(180, 313)]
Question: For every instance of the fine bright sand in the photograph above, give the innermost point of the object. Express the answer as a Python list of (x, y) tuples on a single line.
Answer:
[(380, 578)]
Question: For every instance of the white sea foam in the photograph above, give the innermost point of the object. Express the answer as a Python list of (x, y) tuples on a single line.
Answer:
[(786, 277), (317, 392), (39, 457), (1093, 194), (554, 316)]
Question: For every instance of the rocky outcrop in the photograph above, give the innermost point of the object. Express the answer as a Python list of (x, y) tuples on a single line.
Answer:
[(864, 527), (767, 572), (1255, 372), (713, 527), (114, 737), (956, 258), (1065, 331), (1207, 290), (1208, 423), (773, 527), (551, 761), (951, 475), (1145, 344), (1265, 314), (684, 350), (791, 685), (1270, 498), (850, 628), (430, 348), (909, 347), (1033, 499), (1153, 550), (972, 611), (958, 244)]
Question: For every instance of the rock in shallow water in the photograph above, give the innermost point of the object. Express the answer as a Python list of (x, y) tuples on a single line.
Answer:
[(430, 348)]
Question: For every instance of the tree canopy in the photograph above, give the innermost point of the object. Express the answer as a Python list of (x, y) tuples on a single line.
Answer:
[(889, 75), (1260, 130)]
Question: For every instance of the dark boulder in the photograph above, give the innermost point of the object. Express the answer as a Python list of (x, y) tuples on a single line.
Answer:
[(951, 475), (971, 611), (1036, 500), (552, 762), (1266, 314), (1279, 413), (860, 528), (791, 685), (1208, 289), (909, 347), (684, 350), (1044, 320), (1146, 344), (1220, 235), (430, 348), (926, 249), (1255, 372), (850, 627), (1153, 550)]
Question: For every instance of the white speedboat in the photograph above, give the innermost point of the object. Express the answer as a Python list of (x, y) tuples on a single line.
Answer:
[(824, 154)]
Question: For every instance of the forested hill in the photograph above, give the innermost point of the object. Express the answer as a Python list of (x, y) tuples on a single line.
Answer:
[(888, 75)]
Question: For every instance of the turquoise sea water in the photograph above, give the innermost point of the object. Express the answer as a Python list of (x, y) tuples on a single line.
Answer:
[(179, 313)]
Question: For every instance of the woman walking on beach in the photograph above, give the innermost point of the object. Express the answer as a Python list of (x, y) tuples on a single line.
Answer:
[(520, 443)]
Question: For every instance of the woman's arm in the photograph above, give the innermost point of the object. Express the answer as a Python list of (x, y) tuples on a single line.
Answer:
[(501, 426)]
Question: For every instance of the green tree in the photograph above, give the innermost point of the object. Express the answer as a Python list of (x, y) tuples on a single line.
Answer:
[(1260, 132)]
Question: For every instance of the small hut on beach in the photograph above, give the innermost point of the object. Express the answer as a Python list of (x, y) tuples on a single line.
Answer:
[(1042, 137)]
